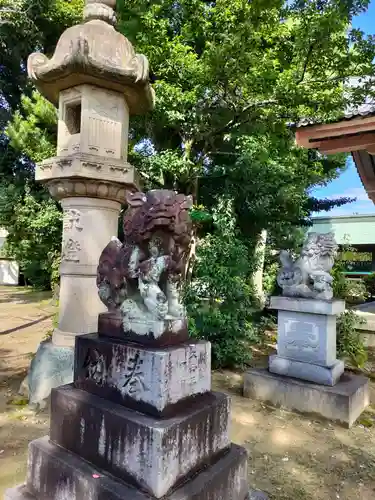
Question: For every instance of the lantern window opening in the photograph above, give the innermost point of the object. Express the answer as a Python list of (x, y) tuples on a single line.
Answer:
[(73, 114)]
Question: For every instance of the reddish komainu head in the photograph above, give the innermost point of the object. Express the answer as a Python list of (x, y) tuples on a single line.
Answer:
[(161, 215)]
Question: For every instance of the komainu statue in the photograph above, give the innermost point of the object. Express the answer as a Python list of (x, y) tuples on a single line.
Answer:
[(309, 275), (140, 280)]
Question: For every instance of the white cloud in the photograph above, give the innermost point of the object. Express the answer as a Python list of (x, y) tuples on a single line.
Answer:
[(359, 193)]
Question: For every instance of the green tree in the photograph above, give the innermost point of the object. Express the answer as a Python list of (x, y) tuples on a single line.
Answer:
[(31, 217), (231, 79), (220, 300)]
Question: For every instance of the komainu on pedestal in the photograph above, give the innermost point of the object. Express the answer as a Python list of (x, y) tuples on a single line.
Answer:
[(140, 280), (305, 374), (309, 276), (140, 421)]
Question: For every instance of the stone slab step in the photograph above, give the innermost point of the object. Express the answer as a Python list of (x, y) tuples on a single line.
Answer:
[(20, 493), (151, 453), (342, 403), (56, 474), (148, 379), (324, 375)]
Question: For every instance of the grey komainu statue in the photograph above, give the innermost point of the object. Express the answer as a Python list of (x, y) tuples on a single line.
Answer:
[(309, 275)]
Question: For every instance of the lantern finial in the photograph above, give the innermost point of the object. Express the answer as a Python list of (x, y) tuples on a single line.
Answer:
[(103, 10)]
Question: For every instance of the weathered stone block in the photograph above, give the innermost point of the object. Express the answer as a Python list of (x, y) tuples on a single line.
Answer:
[(18, 493), (307, 337), (158, 333), (151, 453), (54, 473), (314, 306), (257, 495), (51, 367), (326, 375), (343, 402), (153, 380), (89, 166)]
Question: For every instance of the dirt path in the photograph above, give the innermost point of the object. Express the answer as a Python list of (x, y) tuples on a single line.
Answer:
[(291, 457), (25, 318)]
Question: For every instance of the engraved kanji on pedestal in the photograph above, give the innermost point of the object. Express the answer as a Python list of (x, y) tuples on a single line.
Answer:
[(306, 339)]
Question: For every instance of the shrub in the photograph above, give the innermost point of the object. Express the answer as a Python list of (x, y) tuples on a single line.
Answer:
[(369, 282), (350, 290), (270, 285), (34, 223), (356, 292), (220, 300), (349, 343)]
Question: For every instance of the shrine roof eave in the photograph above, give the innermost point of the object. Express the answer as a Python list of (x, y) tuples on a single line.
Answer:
[(365, 163), (355, 136), (344, 136)]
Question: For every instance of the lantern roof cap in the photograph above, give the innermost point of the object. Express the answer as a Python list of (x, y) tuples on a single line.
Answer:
[(94, 53)]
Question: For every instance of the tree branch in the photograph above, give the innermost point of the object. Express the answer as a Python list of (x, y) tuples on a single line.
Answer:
[(307, 60), (237, 117)]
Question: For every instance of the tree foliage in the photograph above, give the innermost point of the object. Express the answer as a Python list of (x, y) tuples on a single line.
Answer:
[(230, 80), (25, 27), (220, 300), (28, 135)]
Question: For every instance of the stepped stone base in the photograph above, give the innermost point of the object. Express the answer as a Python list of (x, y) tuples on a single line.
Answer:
[(147, 379), (325, 375), (150, 453), (137, 423), (343, 402), (57, 474), (51, 367), (20, 493)]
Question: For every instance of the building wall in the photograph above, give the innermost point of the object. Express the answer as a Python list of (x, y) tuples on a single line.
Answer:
[(352, 230), (9, 269), (3, 236)]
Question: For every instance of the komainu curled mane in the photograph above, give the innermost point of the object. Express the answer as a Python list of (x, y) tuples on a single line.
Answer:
[(309, 276), (141, 277)]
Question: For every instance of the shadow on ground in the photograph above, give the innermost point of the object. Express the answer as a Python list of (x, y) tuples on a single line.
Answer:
[(24, 295), (294, 457), (12, 367), (17, 428), (26, 325)]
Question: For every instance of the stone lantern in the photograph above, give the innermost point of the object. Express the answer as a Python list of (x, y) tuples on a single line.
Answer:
[(97, 81)]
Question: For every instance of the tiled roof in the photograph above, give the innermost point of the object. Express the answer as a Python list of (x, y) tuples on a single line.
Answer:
[(351, 112), (365, 109)]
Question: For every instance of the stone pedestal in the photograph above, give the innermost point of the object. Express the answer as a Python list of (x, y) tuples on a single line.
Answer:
[(343, 403), (306, 339), (305, 375), (156, 333), (82, 245), (138, 422)]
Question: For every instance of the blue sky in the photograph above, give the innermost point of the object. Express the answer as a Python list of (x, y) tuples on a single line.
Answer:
[(349, 184)]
